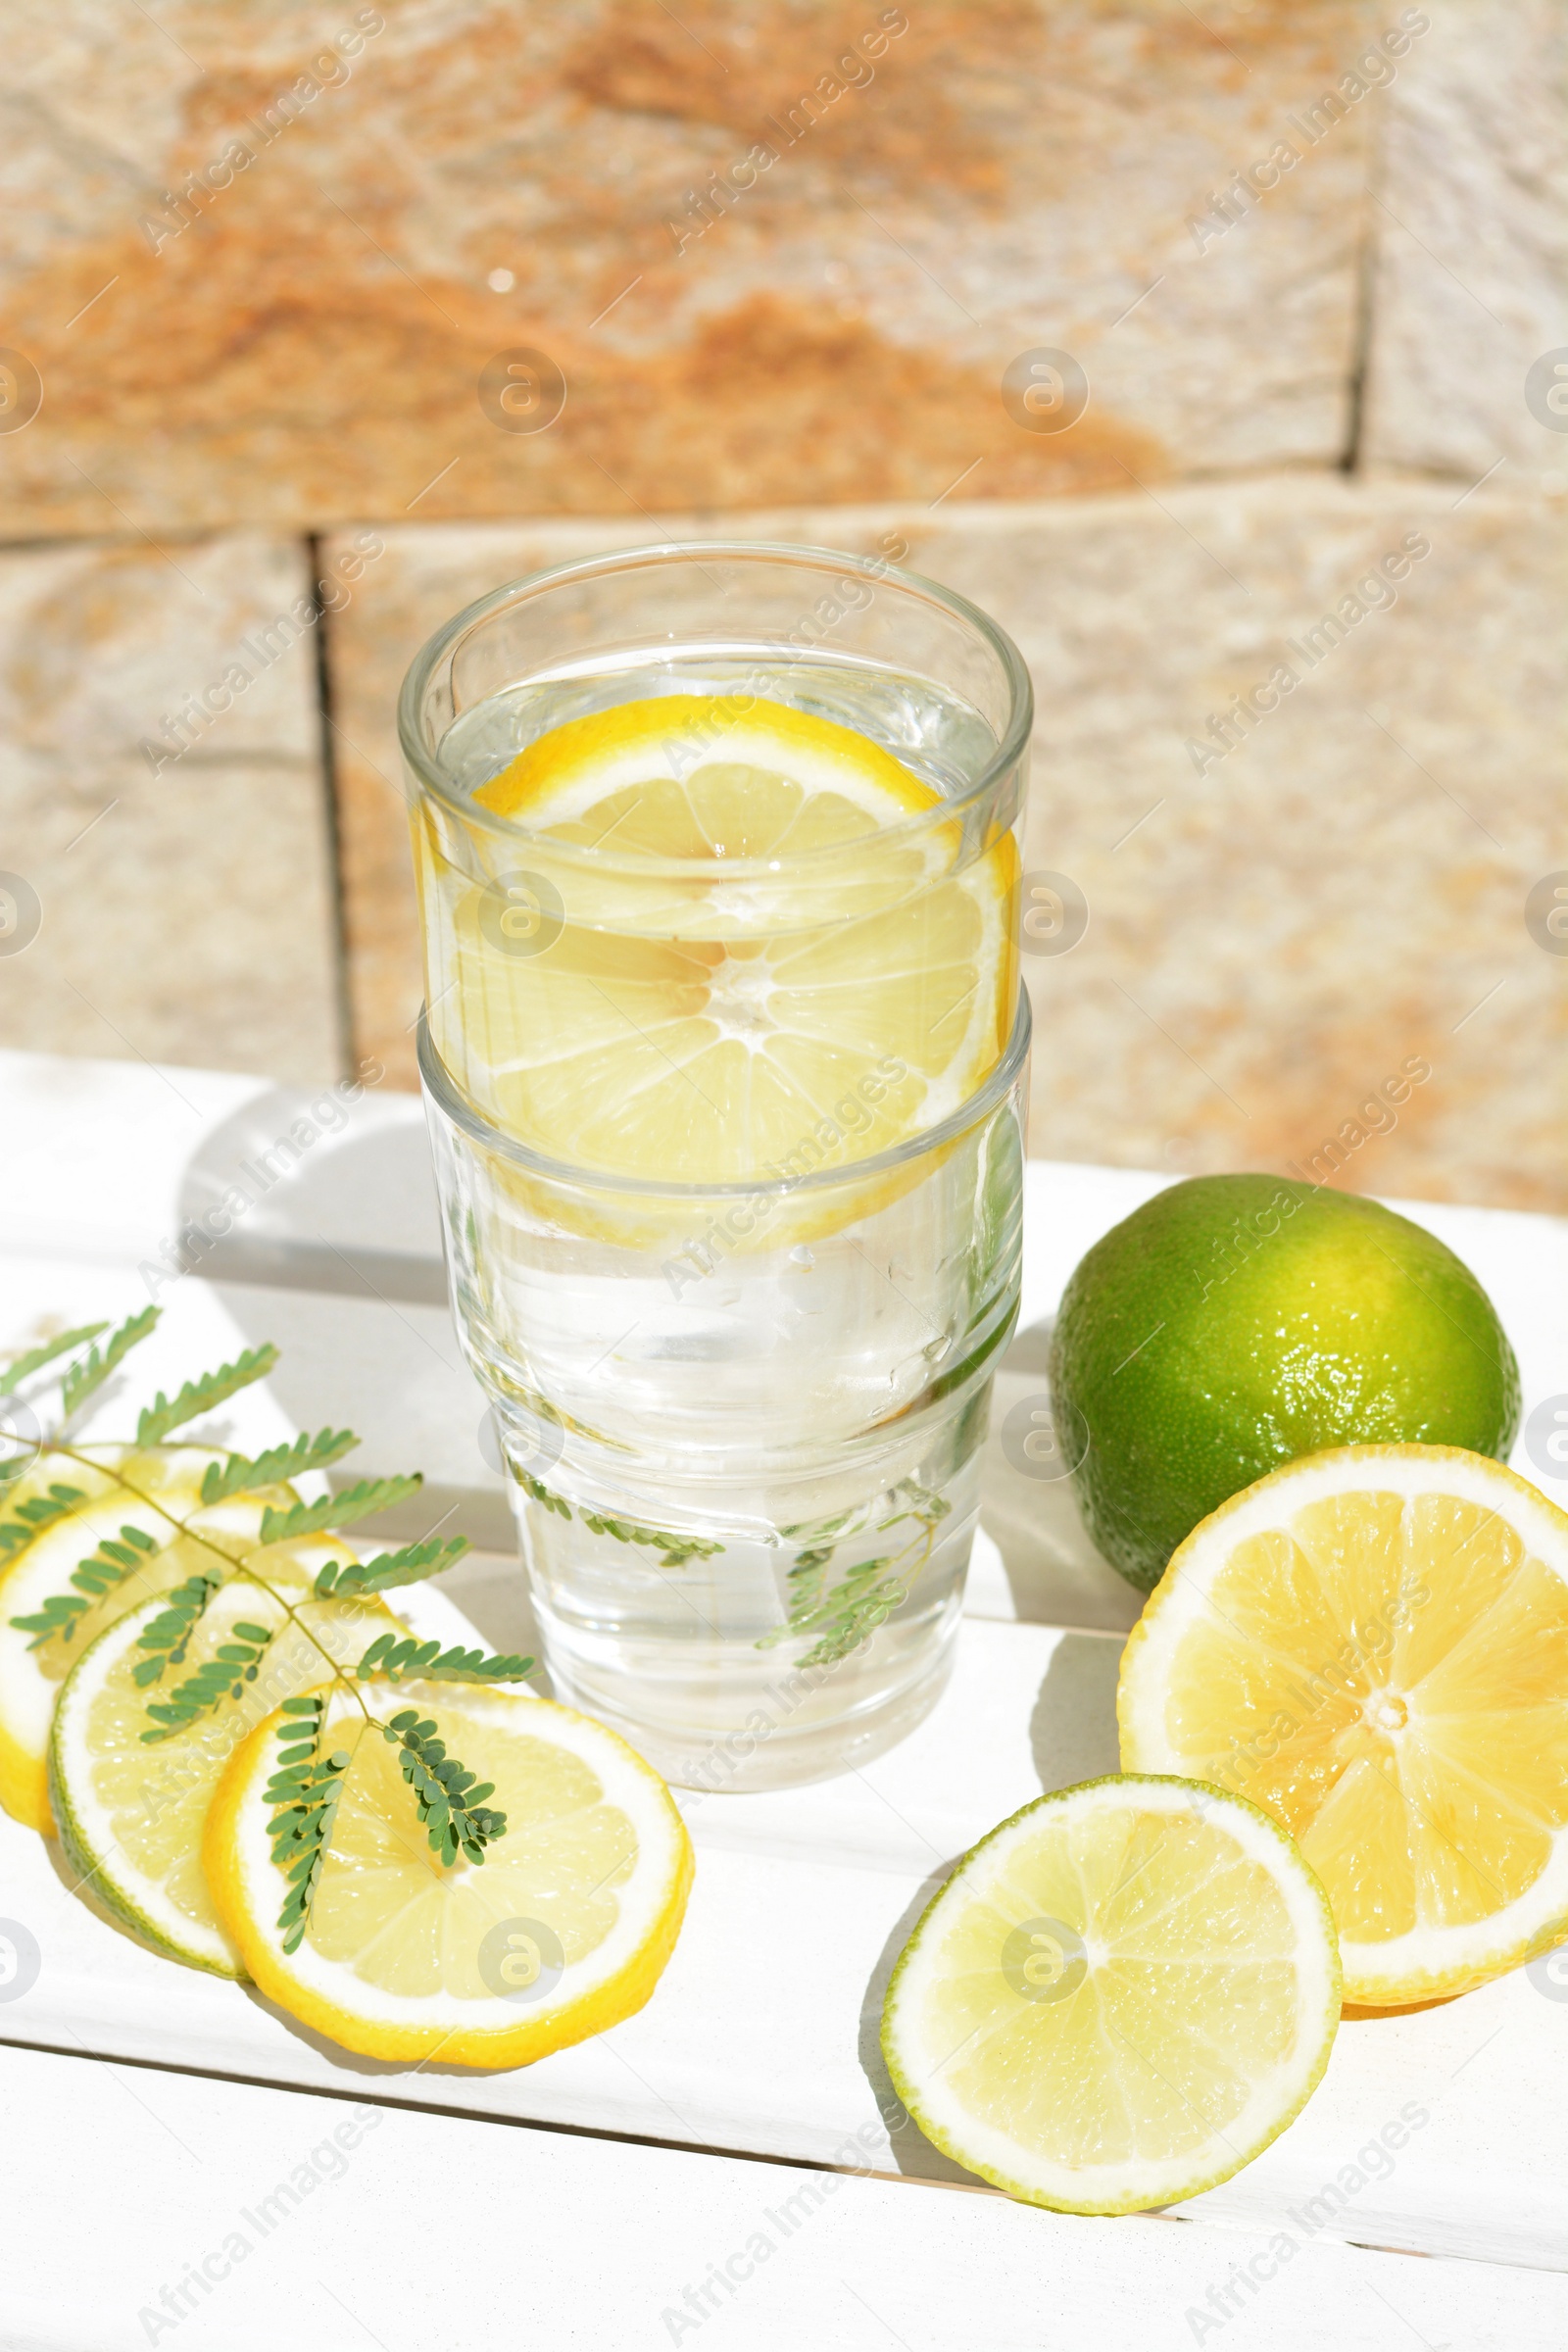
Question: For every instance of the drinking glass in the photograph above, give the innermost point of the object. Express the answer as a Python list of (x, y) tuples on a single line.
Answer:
[(738, 1338)]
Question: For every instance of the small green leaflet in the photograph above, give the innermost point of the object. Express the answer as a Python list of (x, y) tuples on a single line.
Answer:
[(30, 1518), (242, 1474), (448, 1798), (677, 1549), (392, 1659), (200, 1395), (842, 1617), (37, 1358), (168, 1635), (305, 1789), (341, 1578), (89, 1372), (359, 1501), (865, 1596), (95, 1576), (57, 1615), (224, 1675), (542, 1494)]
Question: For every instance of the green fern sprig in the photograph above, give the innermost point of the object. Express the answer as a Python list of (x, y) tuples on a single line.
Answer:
[(162, 1415), (362, 1500), (224, 1675), (93, 1577), (448, 1793), (396, 1658), (675, 1549), (305, 1790), (29, 1518), (341, 1579), (242, 1473), (87, 1375), (168, 1638), (847, 1613), (23, 1368)]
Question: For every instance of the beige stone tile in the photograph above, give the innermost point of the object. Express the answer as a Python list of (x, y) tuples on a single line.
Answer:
[(304, 341), (1269, 940), (187, 914), (1471, 284), (1344, 889)]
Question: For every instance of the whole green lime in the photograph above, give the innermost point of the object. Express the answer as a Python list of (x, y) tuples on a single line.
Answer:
[(1235, 1322)]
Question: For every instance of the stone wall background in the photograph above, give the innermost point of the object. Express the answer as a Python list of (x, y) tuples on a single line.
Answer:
[(224, 400)]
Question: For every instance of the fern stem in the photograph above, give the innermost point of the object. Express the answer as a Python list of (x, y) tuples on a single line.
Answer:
[(240, 1566)]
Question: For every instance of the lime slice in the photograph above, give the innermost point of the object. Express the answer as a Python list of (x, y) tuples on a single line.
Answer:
[(129, 1811), (1373, 1644), (706, 1025), (1119, 1997), (145, 1491), (563, 1930)]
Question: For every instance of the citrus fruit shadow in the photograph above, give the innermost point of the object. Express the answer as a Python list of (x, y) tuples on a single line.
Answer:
[(353, 2062), (910, 2151)]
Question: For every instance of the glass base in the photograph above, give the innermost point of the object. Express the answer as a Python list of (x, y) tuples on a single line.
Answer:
[(789, 1725)]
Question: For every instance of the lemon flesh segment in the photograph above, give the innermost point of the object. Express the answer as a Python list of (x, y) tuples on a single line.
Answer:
[(146, 1490), (1373, 1644), (564, 1929), (702, 1026), (131, 1812), (1119, 1997)]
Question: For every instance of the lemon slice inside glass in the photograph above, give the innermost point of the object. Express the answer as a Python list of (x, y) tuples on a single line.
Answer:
[(143, 1491), (131, 1812), (1119, 1997), (695, 1005), (1373, 1644), (563, 1930)]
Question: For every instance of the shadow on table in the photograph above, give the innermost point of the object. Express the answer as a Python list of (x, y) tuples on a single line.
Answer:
[(1054, 1573), (344, 2061), (1072, 1736), (911, 2151), (1072, 1729)]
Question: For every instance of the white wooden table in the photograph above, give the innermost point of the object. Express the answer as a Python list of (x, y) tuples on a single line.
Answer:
[(731, 2165)]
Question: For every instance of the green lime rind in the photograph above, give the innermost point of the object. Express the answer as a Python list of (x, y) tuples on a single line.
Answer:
[(952, 2143), (1235, 1323), (93, 1869)]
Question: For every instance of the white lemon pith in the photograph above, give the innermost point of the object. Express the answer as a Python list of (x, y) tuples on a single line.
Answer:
[(1119, 1998), (702, 1025), (563, 1930), (146, 1490), (130, 1811), (1373, 1644)]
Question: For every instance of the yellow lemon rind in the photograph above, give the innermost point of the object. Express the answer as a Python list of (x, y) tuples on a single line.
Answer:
[(247, 1887), (172, 1476), (117, 1885), (1387, 1975)]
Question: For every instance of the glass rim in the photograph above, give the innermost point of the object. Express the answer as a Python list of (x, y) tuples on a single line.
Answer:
[(432, 779), (441, 1088)]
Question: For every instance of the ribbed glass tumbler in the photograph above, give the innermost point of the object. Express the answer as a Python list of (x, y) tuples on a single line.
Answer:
[(724, 1059)]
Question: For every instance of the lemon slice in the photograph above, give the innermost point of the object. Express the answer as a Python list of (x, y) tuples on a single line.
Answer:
[(1373, 1644), (735, 1015), (131, 1812), (1119, 1997), (124, 1488), (564, 1929)]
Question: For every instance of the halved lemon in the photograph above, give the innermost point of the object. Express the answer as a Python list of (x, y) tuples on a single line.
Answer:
[(145, 1491), (1119, 1997), (564, 1929), (731, 1015), (1373, 1644), (130, 1811)]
